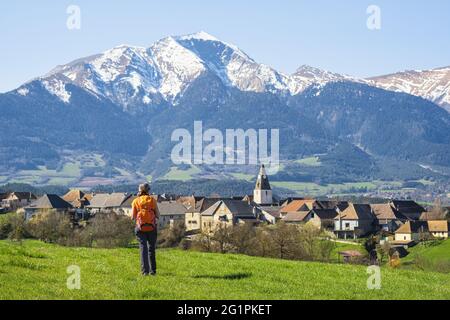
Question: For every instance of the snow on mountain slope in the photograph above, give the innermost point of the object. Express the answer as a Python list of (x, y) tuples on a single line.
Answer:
[(129, 75), (306, 76), (433, 85), (177, 66), (232, 65)]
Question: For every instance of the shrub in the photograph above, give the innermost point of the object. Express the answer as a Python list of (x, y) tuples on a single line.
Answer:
[(284, 240), (240, 238), (5, 226), (185, 244), (50, 226), (172, 236), (18, 227), (262, 244), (202, 242), (107, 230), (221, 238)]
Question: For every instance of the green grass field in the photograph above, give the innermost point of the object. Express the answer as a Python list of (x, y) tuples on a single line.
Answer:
[(437, 251), (35, 270), (310, 162)]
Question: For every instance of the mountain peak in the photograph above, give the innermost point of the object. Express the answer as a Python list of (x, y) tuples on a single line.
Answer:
[(307, 68), (201, 35)]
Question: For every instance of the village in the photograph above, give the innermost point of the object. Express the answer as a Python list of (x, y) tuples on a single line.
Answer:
[(402, 223)]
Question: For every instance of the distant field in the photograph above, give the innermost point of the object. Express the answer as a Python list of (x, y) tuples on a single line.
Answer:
[(316, 189), (311, 162), (243, 176), (69, 173), (36, 270), (181, 175)]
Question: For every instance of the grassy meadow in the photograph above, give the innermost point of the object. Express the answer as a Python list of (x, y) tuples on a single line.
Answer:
[(35, 270), (436, 251)]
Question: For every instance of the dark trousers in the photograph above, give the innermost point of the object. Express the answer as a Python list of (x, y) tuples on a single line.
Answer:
[(147, 246)]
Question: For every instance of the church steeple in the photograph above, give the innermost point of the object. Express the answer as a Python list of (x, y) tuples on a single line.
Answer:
[(262, 182), (262, 194)]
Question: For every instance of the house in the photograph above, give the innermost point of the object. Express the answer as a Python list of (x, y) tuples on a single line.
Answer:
[(262, 194), (195, 206), (354, 221), (229, 213), (408, 208), (288, 200), (16, 200), (170, 212), (296, 217), (46, 203), (107, 202), (304, 205), (270, 214), (433, 215), (332, 204), (126, 206), (387, 217), (439, 229), (77, 198), (2, 197), (411, 231), (248, 198), (322, 218)]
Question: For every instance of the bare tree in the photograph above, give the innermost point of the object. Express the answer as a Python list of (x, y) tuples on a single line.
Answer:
[(308, 239), (437, 212), (172, 236), (202, 242), (222, 237), (241, 236), (261, 244), (283, 237)]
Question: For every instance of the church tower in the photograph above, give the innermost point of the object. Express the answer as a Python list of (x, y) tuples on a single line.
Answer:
[(263, 193)]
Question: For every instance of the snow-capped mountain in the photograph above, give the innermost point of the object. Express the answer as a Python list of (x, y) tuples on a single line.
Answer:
[(433, 85), (161, 73), (135, 75), (116, 106)]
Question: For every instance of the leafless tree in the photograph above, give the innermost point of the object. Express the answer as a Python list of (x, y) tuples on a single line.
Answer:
[(284, 238), (222, 237)]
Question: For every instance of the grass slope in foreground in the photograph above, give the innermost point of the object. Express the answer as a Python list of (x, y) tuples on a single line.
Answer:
[(36, 270)]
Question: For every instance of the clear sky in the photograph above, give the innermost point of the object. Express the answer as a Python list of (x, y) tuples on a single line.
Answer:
[(283, 34)]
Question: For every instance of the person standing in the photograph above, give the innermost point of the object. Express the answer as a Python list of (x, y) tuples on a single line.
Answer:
[(146, 213)]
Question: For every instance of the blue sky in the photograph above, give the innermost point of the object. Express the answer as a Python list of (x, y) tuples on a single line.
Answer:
[(283, 34)]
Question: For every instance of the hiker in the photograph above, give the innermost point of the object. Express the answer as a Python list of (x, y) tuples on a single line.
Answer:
[(145, 213)]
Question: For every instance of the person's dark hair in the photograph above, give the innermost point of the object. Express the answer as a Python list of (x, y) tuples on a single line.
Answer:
[(144, 189)]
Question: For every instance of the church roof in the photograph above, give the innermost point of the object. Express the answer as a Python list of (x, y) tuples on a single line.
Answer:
[(262, 182)]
